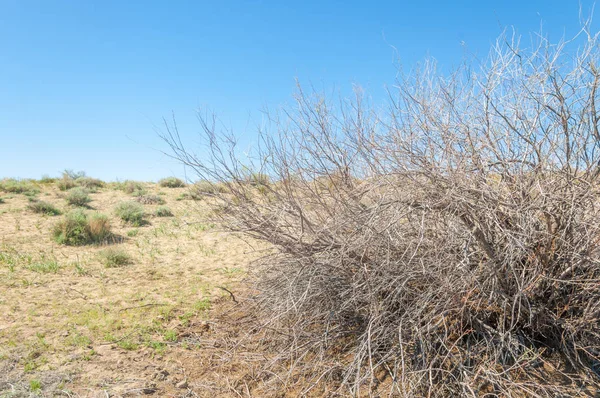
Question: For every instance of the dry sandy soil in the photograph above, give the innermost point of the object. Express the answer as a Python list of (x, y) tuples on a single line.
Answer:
[(162, 325)]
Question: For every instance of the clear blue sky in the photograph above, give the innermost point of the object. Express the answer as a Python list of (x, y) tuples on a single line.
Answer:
[(83, 83)]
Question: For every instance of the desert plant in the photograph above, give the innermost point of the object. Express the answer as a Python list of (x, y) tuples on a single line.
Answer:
[(74, 175), (130, 212), (450, 243), (65, 183), (130, 187), (13, 185), (163, 211), (171, 182), (90, 183), (78, 197), (46, 179), (78, 228), (150, 200), (40, 206), (113, 258)]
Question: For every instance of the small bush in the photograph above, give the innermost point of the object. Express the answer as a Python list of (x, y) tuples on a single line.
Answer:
[(151, 200), (77, 228), (74, 175), (130, 187), (171, 182), (25, 187), (131, 212), (163, 211), (66, 183), (90, 183), (207, 187), (113, 258), (78, 197), (46, 179), (39, 206)]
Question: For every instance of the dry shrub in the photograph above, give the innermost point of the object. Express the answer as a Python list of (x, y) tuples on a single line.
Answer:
[(90, 183), (131, 187), (206, 188), (66, 183), (98, 227), (445, 247), (150, 200), (171, 182)]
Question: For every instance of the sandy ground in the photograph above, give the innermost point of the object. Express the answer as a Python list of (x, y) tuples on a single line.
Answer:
[(163, 324)]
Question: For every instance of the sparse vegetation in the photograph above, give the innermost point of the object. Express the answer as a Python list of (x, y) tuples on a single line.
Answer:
[(133, 293), (150, 199), (131, 187), (131, 212), (44, 265), (171, 182), (40, 206), (78, 197), (163, 211), (90, 183), (112, 258), (78, 228), (46, 179), (35, 385), (66, 183), (25, 187), (205, 187)]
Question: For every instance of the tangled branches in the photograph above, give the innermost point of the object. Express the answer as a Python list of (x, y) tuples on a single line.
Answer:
[(447, 246)]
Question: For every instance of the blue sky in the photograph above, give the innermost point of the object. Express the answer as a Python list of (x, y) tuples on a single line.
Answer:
[(84, 83)]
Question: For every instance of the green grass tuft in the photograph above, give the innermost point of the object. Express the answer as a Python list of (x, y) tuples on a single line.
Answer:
[(113, 258), (77, 228), (78, 197), (163, 211), (131, 212), (25, 187), (39, 206)]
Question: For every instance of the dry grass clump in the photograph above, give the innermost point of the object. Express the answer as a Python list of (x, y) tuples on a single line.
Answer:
[(78, 197), (448, 247), (113, 258), (46, 179), (131, 212), (131, 187), (78, 228), (204, 188), (70, 180), (163, 211), (171, 182), (90, 183), (42, 207), (66, 183)]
